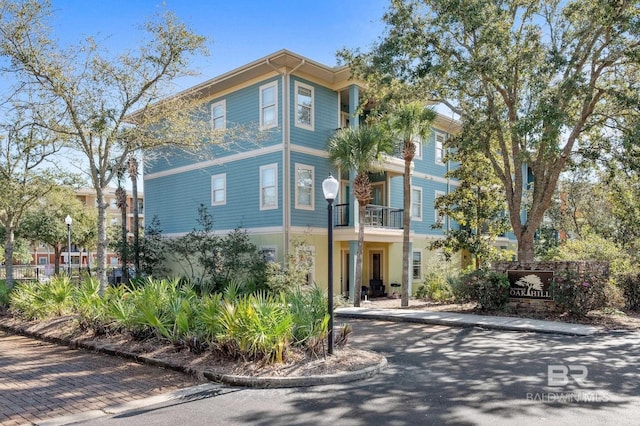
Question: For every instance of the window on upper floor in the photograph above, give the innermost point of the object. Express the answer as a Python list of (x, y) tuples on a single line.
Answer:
[(269, 187), (304, 187), (417, 265), (219, 115), (219, 189), (440, 151), (304, 106), (416, 203), (417, 141), (439, 216), (113, 204), (269, 105)]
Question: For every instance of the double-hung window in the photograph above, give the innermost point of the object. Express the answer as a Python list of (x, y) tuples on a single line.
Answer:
[(440, 139), (416, 203), (417, 265), (304, 187), (269, 105), (304, 106), (219, 115), (219, 189), (417, 142), (269, 187)]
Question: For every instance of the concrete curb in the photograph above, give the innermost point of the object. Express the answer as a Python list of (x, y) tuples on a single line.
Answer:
[(469, 320), (294, 382)]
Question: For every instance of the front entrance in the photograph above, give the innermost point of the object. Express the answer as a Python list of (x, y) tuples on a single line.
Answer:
[(376, 274), (344, 274)]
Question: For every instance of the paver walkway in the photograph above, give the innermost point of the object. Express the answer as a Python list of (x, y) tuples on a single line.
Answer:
[(40, 380)]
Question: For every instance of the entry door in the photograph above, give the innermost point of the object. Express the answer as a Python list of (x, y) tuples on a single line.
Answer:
[(344, 274), (376, 265)]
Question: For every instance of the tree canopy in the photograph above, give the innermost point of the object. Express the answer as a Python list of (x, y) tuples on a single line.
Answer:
[(93, 93), (531, 80)]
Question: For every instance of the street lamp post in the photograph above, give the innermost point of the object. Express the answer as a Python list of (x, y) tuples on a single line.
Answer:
[(68, 221), (330, 188)]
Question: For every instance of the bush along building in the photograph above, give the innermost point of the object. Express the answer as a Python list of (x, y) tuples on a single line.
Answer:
[(268, 180)]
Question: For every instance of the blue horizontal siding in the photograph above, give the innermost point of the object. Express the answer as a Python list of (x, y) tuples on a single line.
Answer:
[(243, 112), (326, 115), (318, 216), (175, 199), (427, 164)]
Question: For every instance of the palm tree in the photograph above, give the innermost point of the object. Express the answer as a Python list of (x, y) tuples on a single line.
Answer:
[(121, 203), (359, 149), (132, 168), (411, 124)]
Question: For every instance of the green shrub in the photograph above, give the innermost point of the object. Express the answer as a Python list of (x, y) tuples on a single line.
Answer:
[(435, 287), (255, 327), (595, 247), (89, 305), (489, 289), (310, 317), (4, 294), (576, 293), (36, 300), (630, 285)]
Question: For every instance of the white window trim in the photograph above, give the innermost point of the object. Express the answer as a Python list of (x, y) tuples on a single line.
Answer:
[(417, 218), (417, 141), (313, 187), (223, 176), (273, 84), (273, 166), (441, 219), (222, 103), (312, 112), (443, 136), (413, 265)]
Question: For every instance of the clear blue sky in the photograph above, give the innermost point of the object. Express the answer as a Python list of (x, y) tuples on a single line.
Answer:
[(237, 31)]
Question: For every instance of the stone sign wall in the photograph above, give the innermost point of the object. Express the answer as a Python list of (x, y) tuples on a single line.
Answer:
[(530, 280)]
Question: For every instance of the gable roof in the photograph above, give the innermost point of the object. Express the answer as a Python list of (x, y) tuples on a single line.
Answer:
[(280, 61)]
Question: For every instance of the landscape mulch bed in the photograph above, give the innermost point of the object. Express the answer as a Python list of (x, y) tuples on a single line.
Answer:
[(298, 363)]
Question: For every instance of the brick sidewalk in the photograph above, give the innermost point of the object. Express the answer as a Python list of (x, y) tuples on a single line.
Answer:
[(40, 380)]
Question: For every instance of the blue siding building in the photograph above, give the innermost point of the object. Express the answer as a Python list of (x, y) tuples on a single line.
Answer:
[(272, 186)]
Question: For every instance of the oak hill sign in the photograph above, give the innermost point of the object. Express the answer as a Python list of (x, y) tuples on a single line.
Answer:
[(529, 284)]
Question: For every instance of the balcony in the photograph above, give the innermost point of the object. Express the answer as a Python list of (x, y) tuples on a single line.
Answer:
[(374, 217)]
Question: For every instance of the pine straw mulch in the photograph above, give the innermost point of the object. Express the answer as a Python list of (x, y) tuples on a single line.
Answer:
[(297, 363), (608, 319)]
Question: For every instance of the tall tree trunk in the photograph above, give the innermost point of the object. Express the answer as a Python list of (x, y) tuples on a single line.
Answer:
[(358, 284), (57, 252), (121, 196), (526, 246), (408, 152), (8, 257), (103, 242), (133, 174)]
